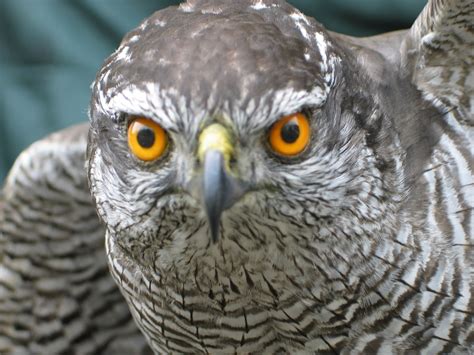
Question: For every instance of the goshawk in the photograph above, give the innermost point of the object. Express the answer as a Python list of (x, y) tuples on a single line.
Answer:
[(265, 185)]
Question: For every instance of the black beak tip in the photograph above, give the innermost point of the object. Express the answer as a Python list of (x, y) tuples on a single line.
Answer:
[(214, 226)]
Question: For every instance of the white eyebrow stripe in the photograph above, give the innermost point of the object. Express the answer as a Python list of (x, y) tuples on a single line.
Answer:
[(261, 114), (175, 113), (146, 100)]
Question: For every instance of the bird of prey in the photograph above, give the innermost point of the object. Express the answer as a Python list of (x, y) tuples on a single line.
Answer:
[(262, 185)]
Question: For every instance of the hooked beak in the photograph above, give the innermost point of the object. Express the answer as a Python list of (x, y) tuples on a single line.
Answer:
[(220, 188)]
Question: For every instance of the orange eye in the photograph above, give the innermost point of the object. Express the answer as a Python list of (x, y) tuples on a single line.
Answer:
[(290, 135), (146, 139)]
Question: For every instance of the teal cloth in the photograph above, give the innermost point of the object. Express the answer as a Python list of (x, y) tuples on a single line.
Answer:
[(50, 51)]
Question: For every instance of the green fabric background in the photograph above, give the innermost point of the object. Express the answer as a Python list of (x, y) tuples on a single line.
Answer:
[(51, 49)]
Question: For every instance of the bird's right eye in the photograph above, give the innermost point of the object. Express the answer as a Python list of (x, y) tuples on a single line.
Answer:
[(147, 140)]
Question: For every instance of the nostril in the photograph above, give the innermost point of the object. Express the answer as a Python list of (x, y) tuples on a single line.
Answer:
[(232, 161)]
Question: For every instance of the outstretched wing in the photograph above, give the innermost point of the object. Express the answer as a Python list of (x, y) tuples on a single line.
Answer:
[(436, 54), (56, 295), (439, 50)]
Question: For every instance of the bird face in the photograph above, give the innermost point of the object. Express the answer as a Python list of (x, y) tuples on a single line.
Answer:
[(237, 128)]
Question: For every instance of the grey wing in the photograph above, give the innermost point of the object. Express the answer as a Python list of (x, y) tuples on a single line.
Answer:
[(437, 56), (439, 51), (56, 294)]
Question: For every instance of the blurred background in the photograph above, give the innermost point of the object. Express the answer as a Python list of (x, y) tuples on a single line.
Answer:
[(50, 51)]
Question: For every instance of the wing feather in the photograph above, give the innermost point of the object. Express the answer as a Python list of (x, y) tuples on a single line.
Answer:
[(56, 294), (439, 50)]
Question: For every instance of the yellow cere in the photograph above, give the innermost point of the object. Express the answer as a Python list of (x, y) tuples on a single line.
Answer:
[(216, 137)]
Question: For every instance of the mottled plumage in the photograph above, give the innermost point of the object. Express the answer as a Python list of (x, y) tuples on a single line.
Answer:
[(363, 243), (56, 294)]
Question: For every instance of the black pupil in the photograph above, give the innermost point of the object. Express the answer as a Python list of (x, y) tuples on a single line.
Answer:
[(290, 132), (146, 137)]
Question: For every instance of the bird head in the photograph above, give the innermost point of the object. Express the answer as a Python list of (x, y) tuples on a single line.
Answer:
[(247, 127)]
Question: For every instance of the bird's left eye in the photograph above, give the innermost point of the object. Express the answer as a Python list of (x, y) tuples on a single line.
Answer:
[(290, 135), (147, 140)]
